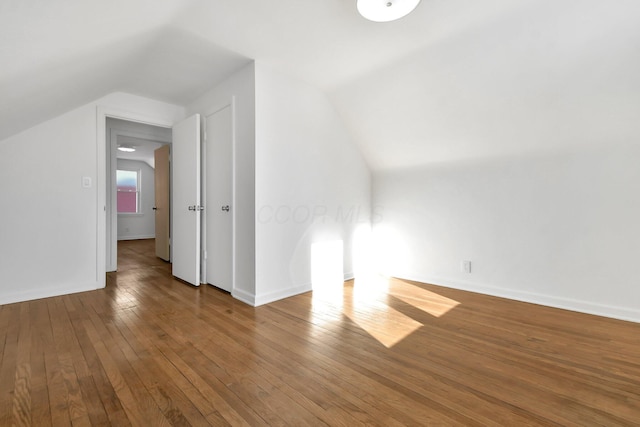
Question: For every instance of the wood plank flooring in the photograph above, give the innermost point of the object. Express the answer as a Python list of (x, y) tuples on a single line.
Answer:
[(149, 350)]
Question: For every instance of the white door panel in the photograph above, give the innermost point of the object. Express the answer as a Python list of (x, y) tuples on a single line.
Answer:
[(185, 164), (219, 185)]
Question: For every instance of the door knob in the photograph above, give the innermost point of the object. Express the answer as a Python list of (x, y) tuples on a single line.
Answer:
[(154, 208), (225, 208)]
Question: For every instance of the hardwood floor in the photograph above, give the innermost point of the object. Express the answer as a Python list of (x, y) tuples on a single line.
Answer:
[(150, 351)]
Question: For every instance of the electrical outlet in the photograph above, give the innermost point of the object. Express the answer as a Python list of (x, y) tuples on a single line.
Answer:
[(465, 266)]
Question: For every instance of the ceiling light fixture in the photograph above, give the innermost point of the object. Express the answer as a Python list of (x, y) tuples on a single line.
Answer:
[(127, 148), (385, 10)]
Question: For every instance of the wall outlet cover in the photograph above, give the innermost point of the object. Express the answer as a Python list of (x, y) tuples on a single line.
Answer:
[(465, 266)]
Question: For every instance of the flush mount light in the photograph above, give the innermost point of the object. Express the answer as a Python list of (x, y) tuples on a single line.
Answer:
[(127, 148), (385, 10)]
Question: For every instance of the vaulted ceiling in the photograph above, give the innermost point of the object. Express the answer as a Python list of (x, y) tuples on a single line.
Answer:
[(457, 79)]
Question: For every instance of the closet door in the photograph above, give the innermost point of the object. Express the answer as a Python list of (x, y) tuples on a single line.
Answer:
[(219, 196)]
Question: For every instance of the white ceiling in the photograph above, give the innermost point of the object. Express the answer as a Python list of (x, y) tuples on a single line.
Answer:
[(545, 76), (143, 137), (454, 80), (145, 149)]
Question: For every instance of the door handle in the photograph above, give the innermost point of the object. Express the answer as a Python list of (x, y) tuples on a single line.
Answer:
[(192, 208), (154, 208), (225, 208)]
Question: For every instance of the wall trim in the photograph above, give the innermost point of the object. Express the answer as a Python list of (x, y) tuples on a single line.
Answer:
[(137, 237), (34, 294), (281, 294), (278, 295), (244, 296), (580, 306)]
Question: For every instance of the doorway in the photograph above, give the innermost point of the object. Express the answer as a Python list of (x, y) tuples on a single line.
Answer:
[(131, 185), (107, 204)]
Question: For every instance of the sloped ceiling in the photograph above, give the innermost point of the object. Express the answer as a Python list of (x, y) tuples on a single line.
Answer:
[(543, 77), (456, 79)]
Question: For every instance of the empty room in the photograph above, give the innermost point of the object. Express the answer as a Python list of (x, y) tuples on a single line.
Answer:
[(337, 212)]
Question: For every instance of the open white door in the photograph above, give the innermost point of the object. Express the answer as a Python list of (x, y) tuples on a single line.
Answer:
[(186, 200), (219, 194)]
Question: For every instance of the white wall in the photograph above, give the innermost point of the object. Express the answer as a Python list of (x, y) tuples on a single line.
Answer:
[(312, 184), (141, 225), (49, 245), (561, 229), (292, 154), (241, 88)]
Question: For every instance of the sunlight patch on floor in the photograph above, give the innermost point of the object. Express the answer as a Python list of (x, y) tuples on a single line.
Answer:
[(427, 301), (376, 317), (367, 301)]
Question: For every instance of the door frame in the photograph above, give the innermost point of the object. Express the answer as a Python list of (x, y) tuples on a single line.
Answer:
[(229, 102), (103, 161)]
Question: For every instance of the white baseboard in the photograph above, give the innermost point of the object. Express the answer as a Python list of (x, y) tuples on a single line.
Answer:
[(138, 237), (278, 295), (580, 306), (243, 296), (34, 294), (256, 300)]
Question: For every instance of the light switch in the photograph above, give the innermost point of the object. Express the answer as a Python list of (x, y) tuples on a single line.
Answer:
[(86, 182)]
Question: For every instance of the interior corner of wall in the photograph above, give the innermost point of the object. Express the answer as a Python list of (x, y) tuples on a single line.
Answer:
[(261, 299), (245, 297)]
